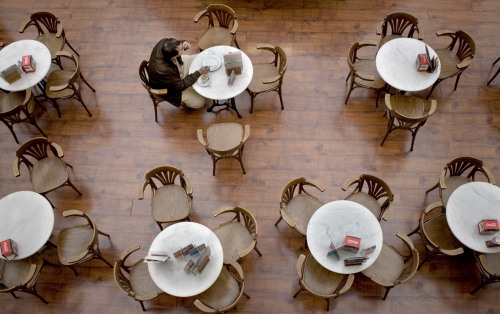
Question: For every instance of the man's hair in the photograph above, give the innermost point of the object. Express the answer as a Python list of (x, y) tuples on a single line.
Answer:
[(168, 49)]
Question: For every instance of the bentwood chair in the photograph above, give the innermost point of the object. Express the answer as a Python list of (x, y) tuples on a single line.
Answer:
[(407, 113), (22, 275), (489, 268), (498, 71), (47, 169), (393, 267), (238, 236), (79, 244), (268, 77), (170, 202), (373, 193), (221, 28), (225, 293), (155, 94), (319, 281), (363, 71), (395, 24), (459, 171), (134, 279), (297, 205), (454, 61), (224, 141), (63, 84), (18, 107), (436, 234)]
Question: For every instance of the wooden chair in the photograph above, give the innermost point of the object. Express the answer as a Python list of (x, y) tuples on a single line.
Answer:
[(363, 72), (18, 107), (378, 197), (436, 234), (238, 236), (268, 77), (134, 280), (22, 275), (459, 171), (47, 170), (489, 268), (79, 244), (319, 281), (225, 140), (155, 94), (498, 71), (453, 63), (62, 84), (297, 205), (393, 267), (170, 202), (406, 113), (225, 293), (221, 28), (395, 24)]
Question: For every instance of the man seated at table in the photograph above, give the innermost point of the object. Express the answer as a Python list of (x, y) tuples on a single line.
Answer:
[(168, 68)]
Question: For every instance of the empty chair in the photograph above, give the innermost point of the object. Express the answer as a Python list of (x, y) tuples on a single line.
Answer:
[(498, 71), (18, 107), (489, 268), (62, 84), (225, 293), (225, 140), (268, 77), (363, 71), (407, 113), (395, 24), (319, 281), (393, 267), (221, 26), (459, 171), (155, 94), (297, 205), (373, 193), (80, 243), (21, 275), (47, 169), (436, 234), (134, 279), (454, 61), (238, 236), (170, 201)]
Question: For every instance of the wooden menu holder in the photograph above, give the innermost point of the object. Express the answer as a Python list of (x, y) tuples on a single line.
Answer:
[(233, 62)]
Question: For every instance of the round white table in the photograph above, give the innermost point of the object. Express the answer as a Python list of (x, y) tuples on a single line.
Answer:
[(27, 218), (13, 53), (467, 206), (332, 222), (395, 63), (219, 88), (170, 275)]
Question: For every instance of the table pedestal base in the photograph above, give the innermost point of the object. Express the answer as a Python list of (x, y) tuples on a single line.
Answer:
[(229, 104)]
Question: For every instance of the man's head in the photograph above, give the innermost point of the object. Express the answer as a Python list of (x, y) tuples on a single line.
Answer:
[(171, 48)]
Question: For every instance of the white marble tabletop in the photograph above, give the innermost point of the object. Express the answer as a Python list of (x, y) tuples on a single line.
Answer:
[(469, 204), (395, 63), (219, 88), (27, 218), (13, 53), (170, 275), (332, 222)]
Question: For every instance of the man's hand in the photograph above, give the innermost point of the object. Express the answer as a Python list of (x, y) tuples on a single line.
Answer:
[(185, 45), (204, 70)]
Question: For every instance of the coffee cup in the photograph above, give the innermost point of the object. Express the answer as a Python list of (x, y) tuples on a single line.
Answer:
[(204, 78)]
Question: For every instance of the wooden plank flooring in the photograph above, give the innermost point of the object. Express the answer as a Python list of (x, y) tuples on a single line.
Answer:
[(316, 136)]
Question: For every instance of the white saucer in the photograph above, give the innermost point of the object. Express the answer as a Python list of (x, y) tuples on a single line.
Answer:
[(204, 84), (211, 60)]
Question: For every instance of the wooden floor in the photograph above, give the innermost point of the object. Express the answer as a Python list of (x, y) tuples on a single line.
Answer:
[(316, 136)]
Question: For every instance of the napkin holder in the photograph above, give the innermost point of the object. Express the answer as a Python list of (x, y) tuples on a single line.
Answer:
[(233, 62), (11, 73)]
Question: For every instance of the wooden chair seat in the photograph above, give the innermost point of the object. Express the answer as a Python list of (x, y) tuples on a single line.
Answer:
[(48, 174), (11, 101), (72, 242), (388, 267), (52, 42), (222, 293), (16, 270), (234, 238), (141, 281), (367, 66), (319, 279), (449, 61), (170, 203), (224, 136), (411, 107), (262, 71), (367, 201), (59, 78), (438, 231), (215, 36), (452, 183), (300, 209)]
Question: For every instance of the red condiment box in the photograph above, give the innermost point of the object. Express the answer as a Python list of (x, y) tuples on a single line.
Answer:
[(9, 249), (488, 226), (28, 64), (352, 243), (422, 62)]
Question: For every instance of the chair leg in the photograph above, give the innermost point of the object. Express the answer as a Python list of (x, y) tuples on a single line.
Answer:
[(277, 222), (432, 89), (491, 80), (36, 125), (300, 290), (79, 97), (350, 90), (414, 231), (257, 250), (104, 234), (73, 269), (33, 292), (155, 104), (482, 284), (104, 260), (414, 134), (11, 130), (87, 83), (241, 163), (48, 200), (386, 292), (74, 187), (432, 188), (389, 130), (246, 295), (456, 82), (252, 96), (56, 105), (159, 225), (67, 43), (281, 99), (376, 101), (327, 305), (142, 306), (15, 297)]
